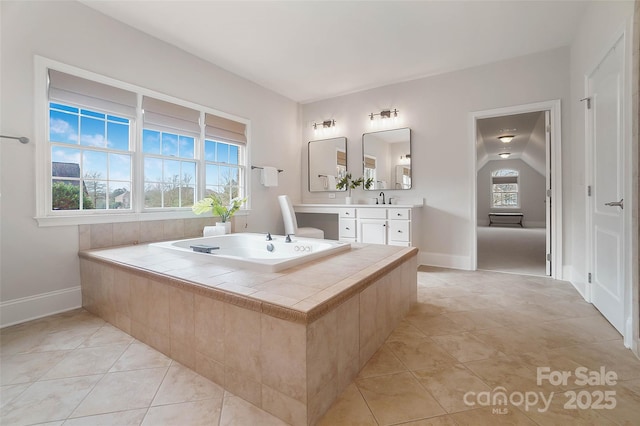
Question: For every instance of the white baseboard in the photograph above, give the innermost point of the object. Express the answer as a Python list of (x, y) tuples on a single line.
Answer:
[(41, 305), (444, 260)]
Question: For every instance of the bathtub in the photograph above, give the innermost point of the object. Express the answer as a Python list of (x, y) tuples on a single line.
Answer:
[(254, 252)]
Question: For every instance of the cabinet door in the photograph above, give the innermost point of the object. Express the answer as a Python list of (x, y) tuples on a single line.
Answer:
[(347, 229), (400, 230), (373, 231)]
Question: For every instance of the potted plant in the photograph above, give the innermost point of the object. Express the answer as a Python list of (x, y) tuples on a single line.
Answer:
[(347, 182), (225, 212)]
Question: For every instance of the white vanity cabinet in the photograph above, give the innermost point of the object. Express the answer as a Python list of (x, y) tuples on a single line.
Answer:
[(375, 224)]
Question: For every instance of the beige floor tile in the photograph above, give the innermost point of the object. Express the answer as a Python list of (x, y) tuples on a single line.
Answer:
[(107, 335), (434, 421), (24, 368), (449, 384), (435, 325), (63, 340), (137, 356), (466, 347), (47, 401), (398, 398), (119, 418), (350, 409), (182, 385), (508, 372), (473, 320), (612, 355), (21, 341), (125, 390), (383, 362), (236, 411), (86, 361), (405, 332), (196, 413), (10, 392), (485, 417), (420, 354), (558, 414)]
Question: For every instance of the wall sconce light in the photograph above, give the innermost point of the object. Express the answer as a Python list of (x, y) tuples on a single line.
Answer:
[(386, 116), (324, 127), (387, 113), (504, 154), (506, 138)]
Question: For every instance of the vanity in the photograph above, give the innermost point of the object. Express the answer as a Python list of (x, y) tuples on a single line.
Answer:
[(397, 224)]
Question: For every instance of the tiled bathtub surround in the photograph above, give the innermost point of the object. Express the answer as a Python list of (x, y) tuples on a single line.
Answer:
[(287, 342)]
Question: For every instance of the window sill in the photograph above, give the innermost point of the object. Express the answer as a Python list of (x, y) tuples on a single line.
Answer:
[(48, 221)]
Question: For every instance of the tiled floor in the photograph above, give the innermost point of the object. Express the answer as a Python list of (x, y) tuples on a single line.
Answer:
[(472, 333)]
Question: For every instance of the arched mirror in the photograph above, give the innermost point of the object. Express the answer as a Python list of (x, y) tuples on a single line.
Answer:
[(386, 159), (327, 164)]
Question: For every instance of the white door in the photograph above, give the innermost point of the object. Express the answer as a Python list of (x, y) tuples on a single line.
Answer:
[(373, 231), (606, 143)]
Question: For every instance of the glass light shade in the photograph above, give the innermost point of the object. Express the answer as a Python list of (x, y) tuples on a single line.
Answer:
[(506, 139)]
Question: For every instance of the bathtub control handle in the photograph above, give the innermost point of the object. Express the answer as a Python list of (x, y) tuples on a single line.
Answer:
[(269, 238), (288, 239)]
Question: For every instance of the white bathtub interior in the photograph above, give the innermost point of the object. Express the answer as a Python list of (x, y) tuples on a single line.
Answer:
[(253, 251)]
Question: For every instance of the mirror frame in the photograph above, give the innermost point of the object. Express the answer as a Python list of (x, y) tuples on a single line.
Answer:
[(410, 161), (346, 152)]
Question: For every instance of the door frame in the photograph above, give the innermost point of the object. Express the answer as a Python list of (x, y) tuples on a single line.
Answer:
[(554, 156), (630, 338)]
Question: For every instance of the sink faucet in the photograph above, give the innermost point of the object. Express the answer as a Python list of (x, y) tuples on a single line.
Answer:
[(382, 195), (269, 238), (288, 239)]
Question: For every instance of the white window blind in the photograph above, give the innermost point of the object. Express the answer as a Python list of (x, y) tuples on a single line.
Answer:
[(167, 115), (70, 89), (224, 129)]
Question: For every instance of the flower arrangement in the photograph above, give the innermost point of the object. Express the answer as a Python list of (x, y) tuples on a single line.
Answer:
[(347, 182), (213, 203)]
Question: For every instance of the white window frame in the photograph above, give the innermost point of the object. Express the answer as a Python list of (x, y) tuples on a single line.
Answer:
[(45, 216), (491, 192)]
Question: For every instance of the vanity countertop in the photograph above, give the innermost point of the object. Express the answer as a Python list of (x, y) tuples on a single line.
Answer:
[(328, 208)]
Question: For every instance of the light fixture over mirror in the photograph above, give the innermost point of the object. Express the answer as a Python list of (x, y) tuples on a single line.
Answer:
[(385, 118), (504, 154), (324, 127), (506, 138), (386, 159)]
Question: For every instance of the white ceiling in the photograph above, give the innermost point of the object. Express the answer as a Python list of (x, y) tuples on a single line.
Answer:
[(312, 50)]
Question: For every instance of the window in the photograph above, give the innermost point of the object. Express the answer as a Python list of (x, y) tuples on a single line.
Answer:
[(370, 169), (115, 149), (504, 188)]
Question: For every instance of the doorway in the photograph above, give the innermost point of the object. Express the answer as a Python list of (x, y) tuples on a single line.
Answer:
[(517, 195)]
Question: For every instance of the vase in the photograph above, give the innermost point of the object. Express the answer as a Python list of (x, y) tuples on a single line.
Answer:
[(347, 200), (224, 227)]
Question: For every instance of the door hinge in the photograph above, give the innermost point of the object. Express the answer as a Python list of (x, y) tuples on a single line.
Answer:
[(589, 191), (589, 277), (588, 99), (548, 128), (549, 193), (548, 257)]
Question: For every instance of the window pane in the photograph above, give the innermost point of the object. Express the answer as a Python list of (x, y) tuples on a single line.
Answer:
[(212, 175), (63, 127), (65, 162), (153, 195), (94, 164), (118, 136), (222, 152), (96, 191), (62, 107), (233, 154), (92, 113), (186, 146), (171, 171), (119, 167), (119, 195), (65, 195), (187, 195), (169, 144), (152, 170), (92, 132), (210, 150), (188, 173), (150, 141)]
